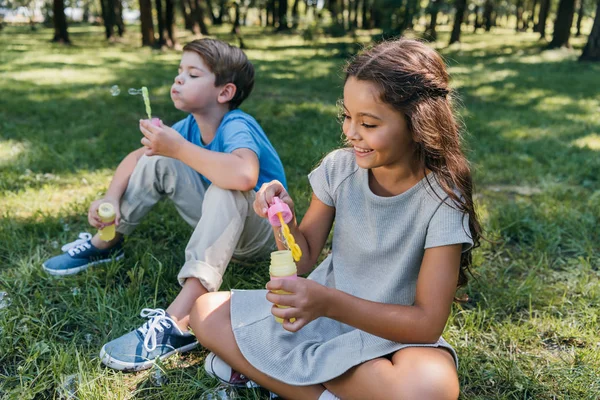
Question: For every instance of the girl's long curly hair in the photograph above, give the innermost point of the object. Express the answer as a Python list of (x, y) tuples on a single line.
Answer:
[(413, 79)]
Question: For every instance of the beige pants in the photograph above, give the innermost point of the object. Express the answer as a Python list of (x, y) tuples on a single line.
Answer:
[(225, 223)]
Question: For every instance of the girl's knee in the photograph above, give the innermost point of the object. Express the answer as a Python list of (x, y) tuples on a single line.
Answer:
[(429, 374), (209, 314)]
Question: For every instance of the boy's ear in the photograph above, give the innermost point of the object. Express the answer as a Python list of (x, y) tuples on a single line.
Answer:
[(227, 92)]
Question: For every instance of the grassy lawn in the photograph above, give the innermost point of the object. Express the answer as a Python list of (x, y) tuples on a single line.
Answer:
[(530, 329)]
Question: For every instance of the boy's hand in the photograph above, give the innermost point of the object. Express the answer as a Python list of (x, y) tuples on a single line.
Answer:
[(160, 140), (264, 197), (94, 218), (307, 301)]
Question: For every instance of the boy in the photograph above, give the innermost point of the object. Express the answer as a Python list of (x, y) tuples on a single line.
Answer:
[(210, 164)]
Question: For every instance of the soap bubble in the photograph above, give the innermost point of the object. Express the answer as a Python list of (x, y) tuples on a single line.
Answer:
[(157, 377), (68, 387), (75, 291), (219, 393), (4, 300), (114, 90), (134, 92)]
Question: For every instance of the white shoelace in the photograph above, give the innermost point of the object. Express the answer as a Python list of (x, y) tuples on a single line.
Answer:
[(79, 248), (83, 237), (158, 322)]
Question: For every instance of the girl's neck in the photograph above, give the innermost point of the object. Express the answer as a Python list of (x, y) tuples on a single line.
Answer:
[(208, 122), (388, 182)]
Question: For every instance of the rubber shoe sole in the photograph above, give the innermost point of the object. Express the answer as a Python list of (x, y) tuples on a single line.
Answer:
[(127, 366), (76, 270)]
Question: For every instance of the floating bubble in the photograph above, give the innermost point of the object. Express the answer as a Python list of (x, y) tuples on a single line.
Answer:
[(157, 377), (88, 338), (134, 92), (75, 291), (115, 91), (220, 393), (4, 300), (68, 387)]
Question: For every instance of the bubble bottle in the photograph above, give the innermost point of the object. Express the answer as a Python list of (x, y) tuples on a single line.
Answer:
[(282, 267), (106, 212), (282, 261)]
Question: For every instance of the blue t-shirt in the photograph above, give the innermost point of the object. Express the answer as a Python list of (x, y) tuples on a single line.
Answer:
[(238, 130)]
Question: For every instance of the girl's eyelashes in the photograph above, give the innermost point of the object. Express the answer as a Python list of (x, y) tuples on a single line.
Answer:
[(368, 126)]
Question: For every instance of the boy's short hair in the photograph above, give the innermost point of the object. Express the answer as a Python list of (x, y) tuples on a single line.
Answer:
[(228, 63)]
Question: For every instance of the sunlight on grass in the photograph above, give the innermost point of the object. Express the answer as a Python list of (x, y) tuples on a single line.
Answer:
[(11, 150), (591, 141)]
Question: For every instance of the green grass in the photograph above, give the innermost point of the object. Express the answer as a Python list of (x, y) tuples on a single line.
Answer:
[(530, 329)]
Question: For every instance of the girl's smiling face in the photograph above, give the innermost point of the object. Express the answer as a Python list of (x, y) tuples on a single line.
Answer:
[(378, 132)]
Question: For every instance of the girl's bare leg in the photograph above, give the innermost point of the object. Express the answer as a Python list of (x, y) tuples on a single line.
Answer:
[(210, 320), (419, 373)]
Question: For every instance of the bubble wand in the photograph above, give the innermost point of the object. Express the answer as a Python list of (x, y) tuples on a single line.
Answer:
[(144, 92), (280, 214)]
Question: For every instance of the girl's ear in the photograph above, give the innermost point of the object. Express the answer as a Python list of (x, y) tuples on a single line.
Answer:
[(227, 92)]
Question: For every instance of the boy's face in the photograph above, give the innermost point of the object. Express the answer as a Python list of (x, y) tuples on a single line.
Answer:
[(194, 87)]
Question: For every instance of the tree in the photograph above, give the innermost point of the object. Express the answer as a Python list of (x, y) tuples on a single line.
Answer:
[(461, 6), (434, 9), (562, 24), (542, 18), (580, 14), (61, 34), (147, 26), (591, 51)]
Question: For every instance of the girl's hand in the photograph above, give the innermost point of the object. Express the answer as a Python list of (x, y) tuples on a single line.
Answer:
[(307, 301), (264, 197), (94, 218), (160, 140)]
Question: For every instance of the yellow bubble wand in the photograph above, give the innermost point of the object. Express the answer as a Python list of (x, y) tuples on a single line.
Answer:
[(278, 213), (144, 92)]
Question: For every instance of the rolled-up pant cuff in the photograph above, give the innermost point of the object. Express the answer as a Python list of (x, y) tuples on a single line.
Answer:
[(208, 276)]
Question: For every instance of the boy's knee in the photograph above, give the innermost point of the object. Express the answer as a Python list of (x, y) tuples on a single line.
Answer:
[(208, 313)]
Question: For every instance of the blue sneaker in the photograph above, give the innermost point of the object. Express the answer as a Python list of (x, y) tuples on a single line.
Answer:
[(139, 349), (80, 255)]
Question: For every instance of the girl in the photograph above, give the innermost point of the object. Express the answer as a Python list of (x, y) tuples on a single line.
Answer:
[(368, 319)]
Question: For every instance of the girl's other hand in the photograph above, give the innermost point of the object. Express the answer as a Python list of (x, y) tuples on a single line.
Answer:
[(93, 217), (307, 301), (264, 197)]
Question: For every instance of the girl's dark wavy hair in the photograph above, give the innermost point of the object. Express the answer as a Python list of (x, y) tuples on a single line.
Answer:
[(413, 79)]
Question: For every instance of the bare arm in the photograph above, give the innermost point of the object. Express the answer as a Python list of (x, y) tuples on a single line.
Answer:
[(422, 322), (237, 170), (122, 174)]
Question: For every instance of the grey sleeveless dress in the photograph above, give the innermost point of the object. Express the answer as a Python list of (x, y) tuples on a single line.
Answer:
[(378, 246)]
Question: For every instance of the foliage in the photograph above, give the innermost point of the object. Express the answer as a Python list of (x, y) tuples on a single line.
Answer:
[(530, 330)]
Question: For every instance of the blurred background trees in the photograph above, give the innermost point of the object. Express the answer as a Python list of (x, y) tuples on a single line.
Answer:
[(555, 20)]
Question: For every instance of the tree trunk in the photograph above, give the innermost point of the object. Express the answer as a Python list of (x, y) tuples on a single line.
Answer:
[(160, 18), (271, 13), (170, 22), (591, 51), (61, 34), (211, 14), (108, 17), (519, 15), (461, 6), (543, 17), (477, 23), (147, 25), (295, 15), (119, 18), (356, 7), (562, 24), (580, 14), (200, 17), (488, 9), (188, 20), (434, 9), (282, 16), (531, 19), (222, 10), (364, 20)]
